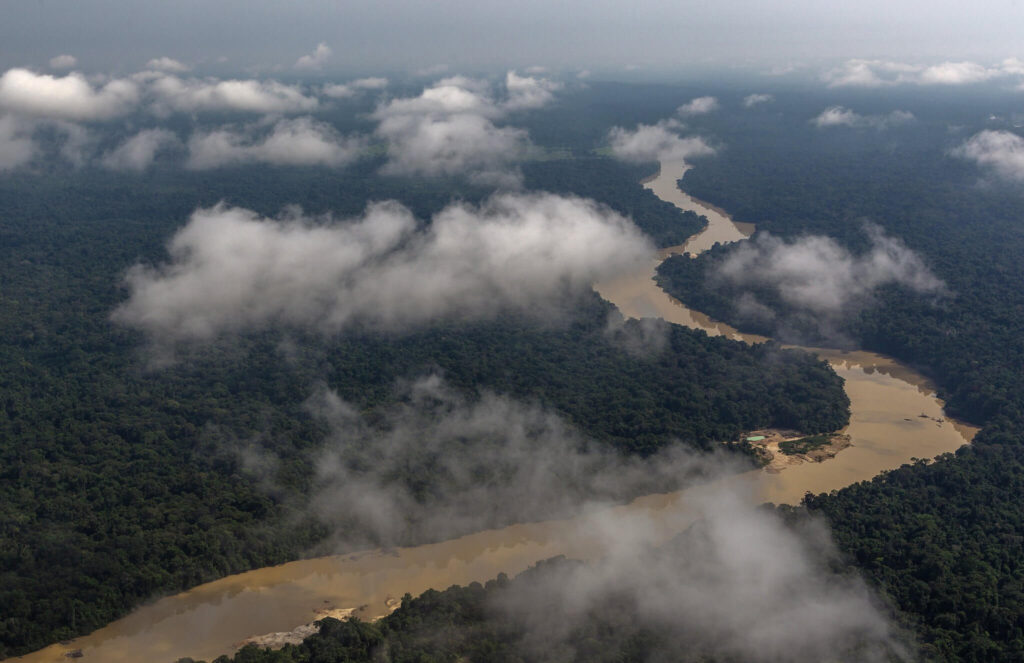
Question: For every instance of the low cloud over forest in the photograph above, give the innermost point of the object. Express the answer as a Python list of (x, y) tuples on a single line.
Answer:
[(231, 270)]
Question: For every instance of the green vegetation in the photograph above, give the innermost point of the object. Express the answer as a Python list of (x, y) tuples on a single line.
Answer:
[(803, 445), (945, 542), (943, 539), (791, 179), (118, 483)]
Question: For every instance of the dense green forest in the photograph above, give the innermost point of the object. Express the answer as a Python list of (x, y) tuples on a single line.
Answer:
[(945, 543), (118, 483), (792, 180), (942, 539)]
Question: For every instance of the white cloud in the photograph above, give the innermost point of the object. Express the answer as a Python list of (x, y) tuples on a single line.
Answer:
[(453, 145), (63, 62), (16, 146), (734, 582), (817, 274), (837, 116), (167, 64), (752, 100), (494, 460), (956, 73), (1013, 66), (1001, 151), (292, 142), (446, 97), (371, 83), (881, 73), (78, 143), (316, 59), (656, 142), (737, 584), (193, 95), (449, 129), (698, 106), (352, 88), (859, 73), (69, 97), (231, 270), (527, 92), (139, 151)]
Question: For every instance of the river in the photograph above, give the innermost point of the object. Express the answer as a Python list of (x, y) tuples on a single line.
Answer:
[(895, 417)]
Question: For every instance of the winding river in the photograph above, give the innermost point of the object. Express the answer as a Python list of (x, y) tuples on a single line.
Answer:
[(895, 417)]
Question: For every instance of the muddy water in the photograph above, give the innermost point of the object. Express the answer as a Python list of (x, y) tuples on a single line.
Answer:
[(887, 399), (886, 427), (721, 228)]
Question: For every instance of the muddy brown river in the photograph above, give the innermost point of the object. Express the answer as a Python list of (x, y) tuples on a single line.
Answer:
[(895, 417)]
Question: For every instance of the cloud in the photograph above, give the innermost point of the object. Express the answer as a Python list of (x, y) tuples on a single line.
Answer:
[(448, 96), (752, 100), (737, 584), (956, 73), (837, 116), (291, 142), (171, 93), (16, 146), (816, 274), (73, 97), (732, 582), (69, 97), (527, 92), (233, 271), (867, 73), (881, 73), (1001, 151), (77, 143), (698, 106), (138, 152), (491, 461), (316, 59), (645, 337), (459, 144), (63, 62), (449, 129), (167, 64), (1013, 66), (656, 142), (352, 88)]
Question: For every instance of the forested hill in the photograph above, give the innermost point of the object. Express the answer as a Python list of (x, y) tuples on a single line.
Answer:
[(118, 483)]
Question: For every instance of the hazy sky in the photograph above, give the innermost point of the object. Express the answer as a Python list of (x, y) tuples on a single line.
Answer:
[(406, 35)]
